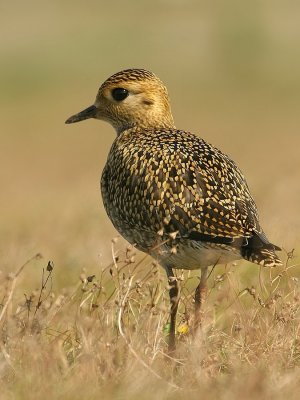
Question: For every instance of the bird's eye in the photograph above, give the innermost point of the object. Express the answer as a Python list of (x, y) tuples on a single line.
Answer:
[(119, 94)]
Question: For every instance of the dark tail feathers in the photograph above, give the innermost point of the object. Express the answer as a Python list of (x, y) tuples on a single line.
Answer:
[(259, 250)]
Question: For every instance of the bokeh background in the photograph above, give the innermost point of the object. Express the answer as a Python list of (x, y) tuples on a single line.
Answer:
[(233, 73)]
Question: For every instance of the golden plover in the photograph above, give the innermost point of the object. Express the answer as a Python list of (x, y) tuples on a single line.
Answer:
[(170, 193)]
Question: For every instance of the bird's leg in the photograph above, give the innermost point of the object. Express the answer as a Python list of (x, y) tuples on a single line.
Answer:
[(200, 296), (174, 298)]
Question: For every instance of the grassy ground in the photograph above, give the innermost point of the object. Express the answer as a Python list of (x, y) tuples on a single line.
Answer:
[(106, 334), (233, 73)]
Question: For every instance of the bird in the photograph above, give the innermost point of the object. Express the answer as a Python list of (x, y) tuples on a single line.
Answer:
[(170, 193)]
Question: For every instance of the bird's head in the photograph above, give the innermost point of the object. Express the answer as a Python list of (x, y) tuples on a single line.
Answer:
[(130, 98)]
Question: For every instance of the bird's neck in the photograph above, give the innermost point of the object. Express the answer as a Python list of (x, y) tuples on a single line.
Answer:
[(162, 122)]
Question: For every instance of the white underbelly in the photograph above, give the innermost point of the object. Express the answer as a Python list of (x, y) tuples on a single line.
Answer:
[(195, 257)]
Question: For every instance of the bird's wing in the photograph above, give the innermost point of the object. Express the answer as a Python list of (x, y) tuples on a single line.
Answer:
[(200, 192)]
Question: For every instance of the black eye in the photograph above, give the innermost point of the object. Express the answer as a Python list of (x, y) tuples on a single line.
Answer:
[(119, 94)]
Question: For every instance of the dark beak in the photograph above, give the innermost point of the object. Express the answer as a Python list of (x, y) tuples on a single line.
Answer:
[(89, 112)]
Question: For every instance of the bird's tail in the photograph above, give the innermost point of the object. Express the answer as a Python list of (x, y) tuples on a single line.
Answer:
[(264, 257), (259, 250)]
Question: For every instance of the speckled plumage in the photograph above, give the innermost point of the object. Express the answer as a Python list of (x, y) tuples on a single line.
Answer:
[(158, 182), (169, 192)]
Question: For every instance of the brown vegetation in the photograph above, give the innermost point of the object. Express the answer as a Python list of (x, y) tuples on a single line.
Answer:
[(107, 334), (233, 74)]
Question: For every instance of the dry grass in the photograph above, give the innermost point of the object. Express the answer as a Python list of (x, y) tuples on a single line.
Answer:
[(107, 334), (233, 74)]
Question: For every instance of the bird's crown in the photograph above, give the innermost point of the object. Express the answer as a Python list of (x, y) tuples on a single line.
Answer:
[(131, 98)]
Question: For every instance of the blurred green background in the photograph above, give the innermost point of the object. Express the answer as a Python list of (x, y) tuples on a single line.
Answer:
[(232, 69)]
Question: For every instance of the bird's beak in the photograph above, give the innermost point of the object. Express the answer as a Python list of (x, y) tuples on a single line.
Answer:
[(89, 112)]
